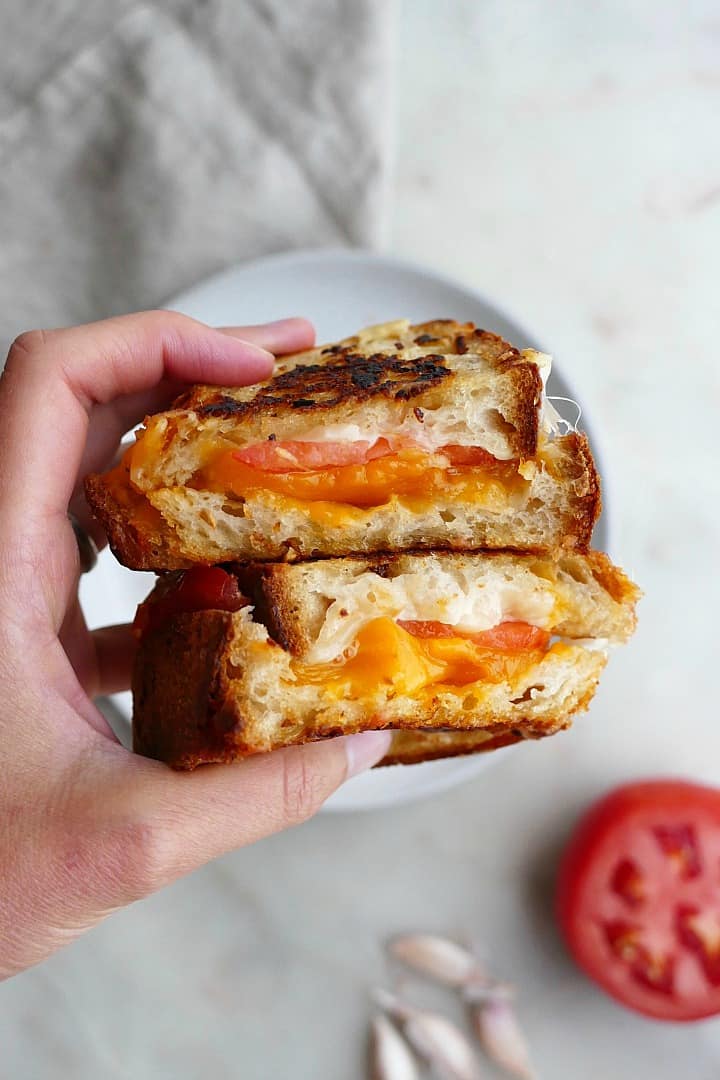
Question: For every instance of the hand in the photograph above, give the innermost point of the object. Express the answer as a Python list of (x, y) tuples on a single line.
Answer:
[(87, 826)]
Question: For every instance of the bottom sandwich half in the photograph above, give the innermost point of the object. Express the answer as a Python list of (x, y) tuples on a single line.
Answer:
[(456, 653)]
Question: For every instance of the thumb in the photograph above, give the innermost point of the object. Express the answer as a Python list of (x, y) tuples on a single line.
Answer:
[(164, 824)]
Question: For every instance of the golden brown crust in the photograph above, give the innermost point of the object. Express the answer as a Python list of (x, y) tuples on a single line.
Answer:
[(138, 537), (414, 747), (577, 466), (620, 587), (274, 601), (178, 693)]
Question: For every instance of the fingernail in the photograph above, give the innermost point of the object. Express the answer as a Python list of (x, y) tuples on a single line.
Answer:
[(250, 347), (267, 328), (365, 750), (251, 351)]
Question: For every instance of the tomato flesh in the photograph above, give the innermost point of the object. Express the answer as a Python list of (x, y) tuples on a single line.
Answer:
[(294, 456), (639, 898), (203, 588), (281, 456), (506, 636), (472, 456)]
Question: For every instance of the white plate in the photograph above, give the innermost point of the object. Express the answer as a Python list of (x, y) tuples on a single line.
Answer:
[(340, 291)]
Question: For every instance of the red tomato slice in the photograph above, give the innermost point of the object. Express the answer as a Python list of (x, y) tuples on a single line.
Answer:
[(470, 455), (203, 588), (505, 637), (639, 897), (293, 456)]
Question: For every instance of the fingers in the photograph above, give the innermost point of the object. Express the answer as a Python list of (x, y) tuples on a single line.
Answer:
[(182, 820), (110, 422), (53, 379), (281, 336)]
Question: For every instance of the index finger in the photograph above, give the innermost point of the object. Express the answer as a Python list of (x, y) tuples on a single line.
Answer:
[(53, 380)]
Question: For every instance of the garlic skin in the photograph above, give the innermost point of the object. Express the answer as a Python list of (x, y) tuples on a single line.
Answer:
[(498, 1031), (437, 957), (390, 1055), (443, 1045), (438, 1040), (479, 991)]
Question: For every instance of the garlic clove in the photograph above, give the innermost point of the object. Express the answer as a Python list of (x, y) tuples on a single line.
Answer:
[(390, 1056), (443, 1045), (392, 1004), (497, 1028), (479, 991), (437, 957)]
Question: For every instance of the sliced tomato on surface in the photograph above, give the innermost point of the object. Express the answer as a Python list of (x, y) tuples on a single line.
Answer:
[(506, 636), (639, 897), (294, 456), (203, 588)]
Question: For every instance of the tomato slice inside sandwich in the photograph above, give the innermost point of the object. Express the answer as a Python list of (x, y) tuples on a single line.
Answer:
[(356, 473), (506, 636), (203, 588), (294, 456)]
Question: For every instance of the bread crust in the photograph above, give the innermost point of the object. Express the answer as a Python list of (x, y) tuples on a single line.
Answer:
[(181, 664), (135, 539), (414, 747)]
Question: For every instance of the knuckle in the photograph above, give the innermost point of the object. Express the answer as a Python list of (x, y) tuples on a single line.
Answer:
[(303, 791), (27, 344), (138, 861)]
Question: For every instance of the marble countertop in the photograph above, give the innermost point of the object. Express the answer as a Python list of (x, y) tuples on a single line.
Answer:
[(565, 162)]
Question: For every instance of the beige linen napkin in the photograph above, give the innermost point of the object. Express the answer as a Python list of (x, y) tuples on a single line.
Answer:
[(145, 146)]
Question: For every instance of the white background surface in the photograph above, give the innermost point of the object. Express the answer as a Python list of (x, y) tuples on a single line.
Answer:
[(564, 159)]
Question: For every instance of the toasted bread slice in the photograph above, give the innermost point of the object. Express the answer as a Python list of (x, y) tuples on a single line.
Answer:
[(339, 646), (179, 498), (414, 747)]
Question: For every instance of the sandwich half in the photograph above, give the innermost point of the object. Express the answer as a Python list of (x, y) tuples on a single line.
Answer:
[(245, 659), (402, 437)]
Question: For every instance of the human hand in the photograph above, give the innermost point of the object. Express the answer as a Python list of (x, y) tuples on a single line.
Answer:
[(87, 826)]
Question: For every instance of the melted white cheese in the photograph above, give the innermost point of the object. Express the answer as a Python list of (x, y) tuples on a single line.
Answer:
[(458, 600)]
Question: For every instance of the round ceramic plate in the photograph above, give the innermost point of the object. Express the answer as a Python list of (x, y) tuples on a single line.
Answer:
[(339, 291)]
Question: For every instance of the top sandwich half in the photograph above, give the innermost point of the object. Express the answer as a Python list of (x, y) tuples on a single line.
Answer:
[(436, 435)]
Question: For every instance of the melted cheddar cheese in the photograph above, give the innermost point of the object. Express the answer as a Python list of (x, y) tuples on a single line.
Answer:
[(405, 474), (387, 655), (126, 495)]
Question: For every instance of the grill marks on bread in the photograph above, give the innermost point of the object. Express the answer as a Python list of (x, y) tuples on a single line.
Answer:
[(345, 376)]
